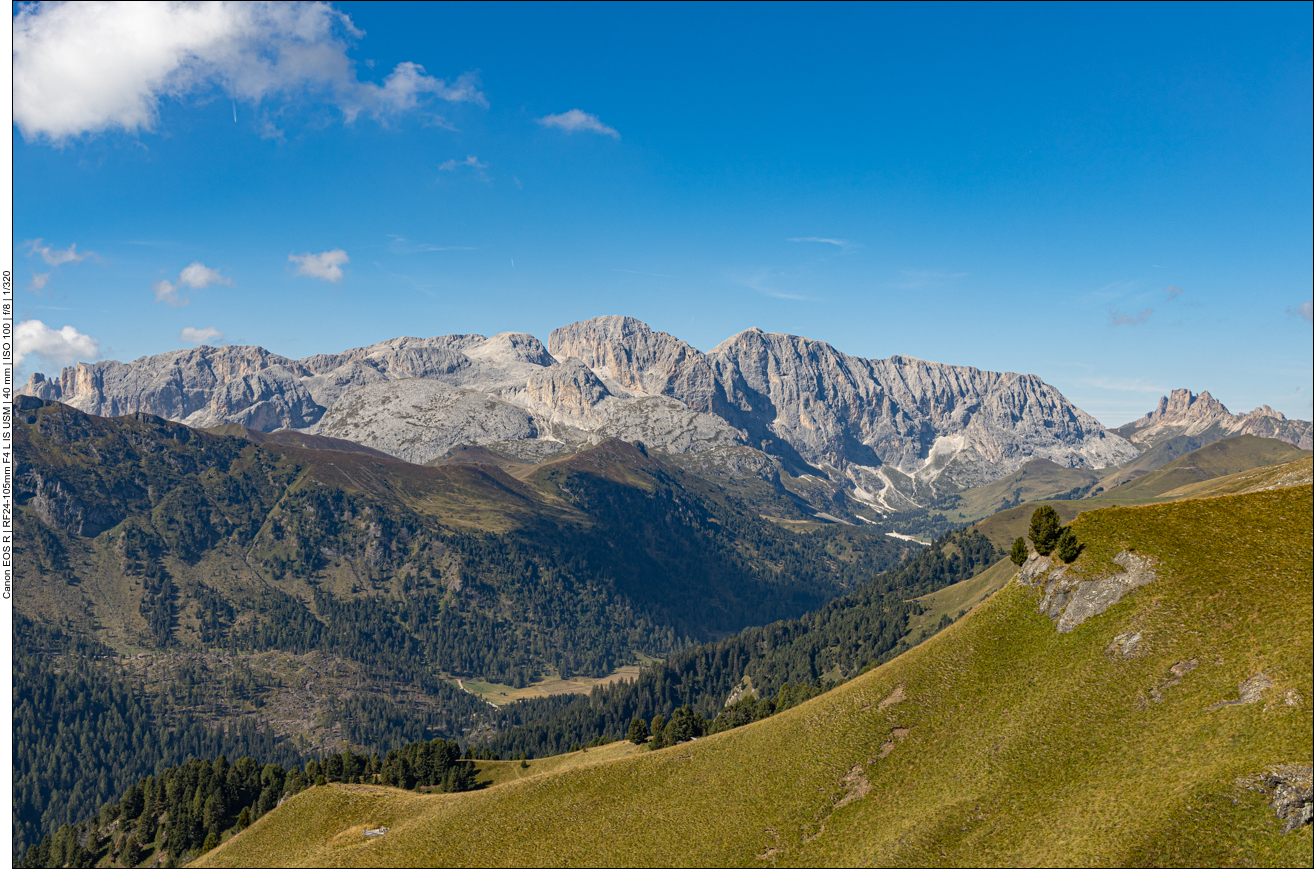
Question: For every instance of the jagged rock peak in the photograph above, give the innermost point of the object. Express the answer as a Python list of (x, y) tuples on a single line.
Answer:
[(1183, 412)]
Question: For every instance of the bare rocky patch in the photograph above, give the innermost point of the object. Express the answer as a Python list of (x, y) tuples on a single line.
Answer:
[(1289, 788)]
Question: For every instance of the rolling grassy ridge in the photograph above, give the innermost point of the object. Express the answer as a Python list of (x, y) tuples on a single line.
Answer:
[(998, 741)]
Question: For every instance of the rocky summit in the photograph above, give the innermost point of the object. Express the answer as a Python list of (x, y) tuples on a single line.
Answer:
[(872, 423), (1205, 418)]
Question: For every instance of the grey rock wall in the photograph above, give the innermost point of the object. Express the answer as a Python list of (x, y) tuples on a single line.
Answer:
[(892, 428)]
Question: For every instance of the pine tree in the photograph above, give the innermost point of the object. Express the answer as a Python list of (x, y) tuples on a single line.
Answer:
[(638, 731), (1068, 548), (1018, 554), (1045, 529)]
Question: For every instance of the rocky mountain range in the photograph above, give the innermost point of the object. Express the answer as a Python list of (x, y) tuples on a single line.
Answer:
[(1203, 417), (889, 431)]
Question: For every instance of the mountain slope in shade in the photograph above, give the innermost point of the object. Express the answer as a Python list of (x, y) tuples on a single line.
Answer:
[(1205, 418)]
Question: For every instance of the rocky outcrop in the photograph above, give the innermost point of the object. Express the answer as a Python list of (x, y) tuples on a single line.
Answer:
[(1182, 412), (1070, 599)]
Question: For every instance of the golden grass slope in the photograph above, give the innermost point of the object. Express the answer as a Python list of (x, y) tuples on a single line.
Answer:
[(998, 741)]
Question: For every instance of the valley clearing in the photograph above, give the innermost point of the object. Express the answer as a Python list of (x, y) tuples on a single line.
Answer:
[(1140, 737)]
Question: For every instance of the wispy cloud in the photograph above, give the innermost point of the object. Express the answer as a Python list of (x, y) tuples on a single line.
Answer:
[(39, 281), (1305, 311), (841, 243), (649, 274), (575, 121), (86, 68), (193, 335), (326, 266), (55, 257), (1173, 292), (470, 162), (1134, 385), (920, 279), (761, 283), (1116, 319), (405, 245)]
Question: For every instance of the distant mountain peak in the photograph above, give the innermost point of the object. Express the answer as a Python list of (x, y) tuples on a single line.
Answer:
[(1183, 412)]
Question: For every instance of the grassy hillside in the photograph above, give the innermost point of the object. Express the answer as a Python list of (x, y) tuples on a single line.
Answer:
[(998, 741), (1037, 480), (1220, 458)]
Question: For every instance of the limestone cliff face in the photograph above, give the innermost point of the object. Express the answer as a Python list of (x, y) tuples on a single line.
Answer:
[(803, 399), (418, 420), (1182, 412), (888, 425), (641, 360)]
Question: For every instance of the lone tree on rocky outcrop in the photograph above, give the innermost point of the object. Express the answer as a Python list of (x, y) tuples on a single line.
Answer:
[(638, 731), (1018, 554), (1045, 529), (1067, 549)]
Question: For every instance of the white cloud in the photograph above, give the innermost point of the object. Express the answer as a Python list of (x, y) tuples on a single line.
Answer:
[(39, 280), (90, 67), (56, 347), (198, 276), (1305, 310), (575, 120), (193, 335), (470, 161), (57, 257), (326, 266), (167, 292)]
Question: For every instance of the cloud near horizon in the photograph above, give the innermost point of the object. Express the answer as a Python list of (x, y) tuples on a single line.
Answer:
[(326, 266), (1141, 316), (85, 68), (576, 120), (58, 347), (193, 335)]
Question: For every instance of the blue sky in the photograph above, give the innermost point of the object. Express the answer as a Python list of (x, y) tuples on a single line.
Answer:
[(1116, 198)]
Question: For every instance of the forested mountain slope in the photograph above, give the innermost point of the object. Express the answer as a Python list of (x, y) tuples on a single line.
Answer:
[(345, 592), (1172, 728)]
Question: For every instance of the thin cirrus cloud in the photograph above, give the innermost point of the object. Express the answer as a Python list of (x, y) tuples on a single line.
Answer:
[(842, 243), (1173, 292), (198, 276), (326, 266), (85, 68), (192, 335), (1141, 316), (58, 347), (577, 121)]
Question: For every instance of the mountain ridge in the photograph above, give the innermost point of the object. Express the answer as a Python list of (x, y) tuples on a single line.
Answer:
[(803, 402)]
